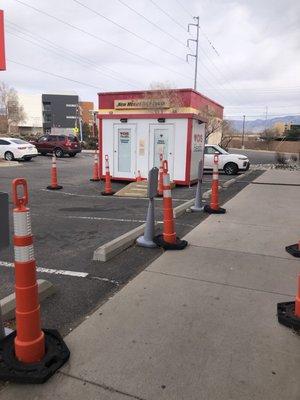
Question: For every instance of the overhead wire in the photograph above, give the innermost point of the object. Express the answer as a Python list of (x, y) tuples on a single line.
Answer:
[(53, 74), (62, 51), (100, 39), (151, 22), (128, 30)]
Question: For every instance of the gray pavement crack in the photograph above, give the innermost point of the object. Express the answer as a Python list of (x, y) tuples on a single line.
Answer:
[(221, 283), (102, 386)]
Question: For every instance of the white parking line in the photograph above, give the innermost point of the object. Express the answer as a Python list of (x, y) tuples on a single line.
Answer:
[(106, 197), (64, 272), (50, 270)]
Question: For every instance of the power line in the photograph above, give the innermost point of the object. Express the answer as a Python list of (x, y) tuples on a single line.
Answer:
[(100, 39), (74, 56), (53, 74), (168, 15), (151, 22), (129, 31)]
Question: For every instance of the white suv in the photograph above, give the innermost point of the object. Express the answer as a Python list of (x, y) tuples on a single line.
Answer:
[(16, 149), (231, 164)]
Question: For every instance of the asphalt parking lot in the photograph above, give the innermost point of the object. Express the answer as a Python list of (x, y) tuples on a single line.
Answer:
[(68, 225)]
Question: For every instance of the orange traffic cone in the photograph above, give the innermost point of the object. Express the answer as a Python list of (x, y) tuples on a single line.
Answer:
[(168, 240), (95, 177), (289, 313), (294, 249), (214, 207), (107, 188), (160, 177), (30, 354), (54, 185), (138, 177)]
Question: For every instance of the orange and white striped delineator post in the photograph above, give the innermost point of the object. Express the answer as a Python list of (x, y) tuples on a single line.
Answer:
[(214, 207), (294, 249), (95, 177), (29, 354), (138, 177), (160, 177), (168, 240), (288, 313), (54, 185), (107, 188)]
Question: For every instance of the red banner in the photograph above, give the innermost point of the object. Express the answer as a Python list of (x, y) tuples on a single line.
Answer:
[(2, 44)]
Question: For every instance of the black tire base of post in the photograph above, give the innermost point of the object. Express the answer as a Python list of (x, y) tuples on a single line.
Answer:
[(178, 245), (286, 315), (293, 249), (58, 187), (95, 180), (11, 369), (108, 194), (210, 210)]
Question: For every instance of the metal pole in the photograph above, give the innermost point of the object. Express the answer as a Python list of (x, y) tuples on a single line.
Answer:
[(197, 50), (198, 206), (243, 136)]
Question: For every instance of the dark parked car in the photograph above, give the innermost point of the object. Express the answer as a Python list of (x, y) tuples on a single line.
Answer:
[(58, 144)]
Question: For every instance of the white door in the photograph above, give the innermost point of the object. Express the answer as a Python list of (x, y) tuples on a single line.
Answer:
[(124, 151), (162, 142)]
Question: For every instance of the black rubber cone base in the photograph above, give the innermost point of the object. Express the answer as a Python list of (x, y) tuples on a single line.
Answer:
[(95, 180), (57, 354), (293, 249), (58, 187), (286, 315), (210, 210), (108, 194), (178, 245)]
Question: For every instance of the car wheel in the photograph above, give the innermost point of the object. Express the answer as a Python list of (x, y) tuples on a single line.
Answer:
[(59, 153), (72, 154), (9, 156), (231, 168)]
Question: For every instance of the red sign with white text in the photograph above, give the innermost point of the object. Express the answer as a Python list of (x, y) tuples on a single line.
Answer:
[(2, 43)]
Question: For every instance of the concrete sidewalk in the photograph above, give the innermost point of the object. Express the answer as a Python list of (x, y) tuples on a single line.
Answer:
[(201, 323)]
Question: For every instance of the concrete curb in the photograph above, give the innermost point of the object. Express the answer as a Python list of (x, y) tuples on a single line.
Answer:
[(8, 303), (117, 245)]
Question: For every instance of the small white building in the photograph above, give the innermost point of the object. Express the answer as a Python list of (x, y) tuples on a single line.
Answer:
[(136, 127)]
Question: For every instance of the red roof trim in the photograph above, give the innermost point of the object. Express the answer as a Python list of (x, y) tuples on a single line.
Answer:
[(151, 116)]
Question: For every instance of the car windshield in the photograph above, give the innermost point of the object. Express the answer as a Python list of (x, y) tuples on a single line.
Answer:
[(222, 151), (18, 141)]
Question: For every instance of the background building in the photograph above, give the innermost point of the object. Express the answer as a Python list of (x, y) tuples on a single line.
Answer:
[(33, 122), (86, 112), (60, 113)]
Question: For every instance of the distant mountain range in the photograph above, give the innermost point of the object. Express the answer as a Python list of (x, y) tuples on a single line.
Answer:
[(258, 125)]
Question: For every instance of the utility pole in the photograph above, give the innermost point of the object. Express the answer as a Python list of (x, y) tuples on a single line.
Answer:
[(243, 135), (197, 49), (266, 117)]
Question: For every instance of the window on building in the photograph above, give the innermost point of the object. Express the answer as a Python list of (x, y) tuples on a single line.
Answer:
[(46, 106), (47, 117)]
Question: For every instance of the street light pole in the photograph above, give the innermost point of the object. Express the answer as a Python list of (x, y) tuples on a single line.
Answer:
[(243, 135)]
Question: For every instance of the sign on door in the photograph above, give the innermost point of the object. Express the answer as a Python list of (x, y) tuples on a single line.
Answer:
[(161, 145)]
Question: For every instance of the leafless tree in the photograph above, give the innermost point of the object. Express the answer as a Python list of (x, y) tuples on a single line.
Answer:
[(12, 113), (228, 133), (160, 91)]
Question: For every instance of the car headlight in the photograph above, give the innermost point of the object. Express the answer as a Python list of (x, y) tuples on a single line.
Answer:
[(242, 158)]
